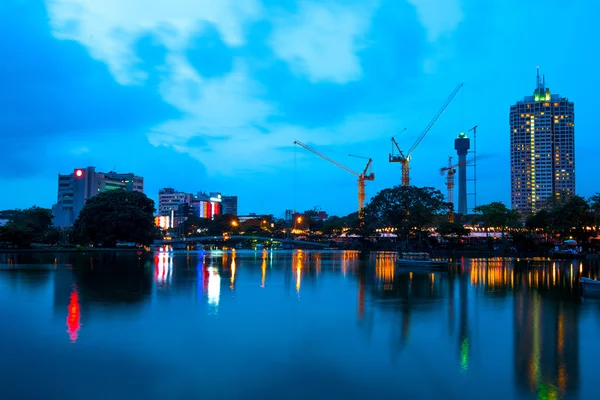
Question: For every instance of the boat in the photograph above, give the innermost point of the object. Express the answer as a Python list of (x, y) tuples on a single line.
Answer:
[(590, 286), (419, 261)]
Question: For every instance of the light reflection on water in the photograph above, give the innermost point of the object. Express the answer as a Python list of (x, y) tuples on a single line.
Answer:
[(516, 325)]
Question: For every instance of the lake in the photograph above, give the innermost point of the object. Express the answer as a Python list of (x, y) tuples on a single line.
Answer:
[(293, 325)]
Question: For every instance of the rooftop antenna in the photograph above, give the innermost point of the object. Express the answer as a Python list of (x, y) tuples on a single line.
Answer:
[(538, 76), (543, 81)]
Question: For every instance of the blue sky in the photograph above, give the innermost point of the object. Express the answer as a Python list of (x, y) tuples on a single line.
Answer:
[(207, 95)]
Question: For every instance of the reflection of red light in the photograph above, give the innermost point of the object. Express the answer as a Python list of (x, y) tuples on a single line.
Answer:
[(79, 173), (73, 315)]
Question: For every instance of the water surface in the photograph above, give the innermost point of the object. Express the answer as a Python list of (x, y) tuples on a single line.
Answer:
[(293, 325)]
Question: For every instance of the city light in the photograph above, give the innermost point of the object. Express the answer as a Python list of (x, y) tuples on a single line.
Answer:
[(78, 173), (73, 315)]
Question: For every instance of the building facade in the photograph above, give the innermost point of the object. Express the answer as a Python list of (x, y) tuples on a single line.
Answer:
[(169, 199), (542, 149), (84, 183), (175, 207), (230, 204)]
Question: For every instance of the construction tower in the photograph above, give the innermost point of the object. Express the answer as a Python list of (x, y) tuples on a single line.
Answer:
[(462, 144)]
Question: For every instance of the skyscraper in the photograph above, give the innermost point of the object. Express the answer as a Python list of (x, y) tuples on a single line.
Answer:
[(542, 148)]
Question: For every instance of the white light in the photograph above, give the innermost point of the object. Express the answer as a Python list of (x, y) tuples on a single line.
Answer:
[(214, 286)]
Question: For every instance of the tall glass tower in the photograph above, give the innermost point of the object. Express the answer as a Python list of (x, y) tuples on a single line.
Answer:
[(542, 149)]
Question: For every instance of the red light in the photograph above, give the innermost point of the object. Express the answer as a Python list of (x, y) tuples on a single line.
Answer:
[(73, 315), (79, 173)]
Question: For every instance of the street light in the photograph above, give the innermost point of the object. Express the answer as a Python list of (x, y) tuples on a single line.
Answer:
[(234, 223), (299, 219)]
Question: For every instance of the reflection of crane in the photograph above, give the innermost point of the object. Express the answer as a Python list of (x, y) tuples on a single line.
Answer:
[(451, 171), (366, 175), (404, 159)]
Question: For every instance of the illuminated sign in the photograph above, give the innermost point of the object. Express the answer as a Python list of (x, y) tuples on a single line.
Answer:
[(163, 222), (215, 199), (78, 173)]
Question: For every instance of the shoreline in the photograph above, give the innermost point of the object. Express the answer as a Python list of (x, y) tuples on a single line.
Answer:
[(85, 250)]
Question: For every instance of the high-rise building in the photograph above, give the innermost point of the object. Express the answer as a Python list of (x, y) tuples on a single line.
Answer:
[(76, 188), (229, 204), (542, 149)]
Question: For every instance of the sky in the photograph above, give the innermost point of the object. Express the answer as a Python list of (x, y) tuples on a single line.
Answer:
[(204, 95)]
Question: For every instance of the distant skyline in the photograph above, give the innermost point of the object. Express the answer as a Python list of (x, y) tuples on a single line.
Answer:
[(201, 95)]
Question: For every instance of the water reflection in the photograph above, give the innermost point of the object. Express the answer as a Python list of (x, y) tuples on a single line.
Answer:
[(232, 279), (164, 268), (214, 288), (73, 315), (263, 268), (515, 324), (546, 343)]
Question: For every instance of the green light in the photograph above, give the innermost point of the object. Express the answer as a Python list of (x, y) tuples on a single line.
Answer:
[(462, 135), (464, 354)]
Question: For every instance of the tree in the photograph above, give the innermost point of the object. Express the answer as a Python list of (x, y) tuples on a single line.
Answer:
[(539, 220), (496, 215), (193, 223), (409, 209), (594, 203), (571, 216), (27, 226), (457, 229), (114, 216)]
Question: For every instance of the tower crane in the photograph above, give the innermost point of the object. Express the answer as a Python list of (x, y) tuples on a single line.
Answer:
[(450, 172), (366, 175), (404, 158)]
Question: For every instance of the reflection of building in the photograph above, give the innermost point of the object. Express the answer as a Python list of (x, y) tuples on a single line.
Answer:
[(542, 148), (76, 188), (546, 350)]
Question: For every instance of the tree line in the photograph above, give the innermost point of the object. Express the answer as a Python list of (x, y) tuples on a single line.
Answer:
[(409, 212)]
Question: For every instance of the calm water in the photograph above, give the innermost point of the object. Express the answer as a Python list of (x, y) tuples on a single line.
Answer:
[(254, 325)]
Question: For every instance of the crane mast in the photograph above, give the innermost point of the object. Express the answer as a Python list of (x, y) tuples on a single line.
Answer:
[(366, 175), (404, 159), (451, 172)]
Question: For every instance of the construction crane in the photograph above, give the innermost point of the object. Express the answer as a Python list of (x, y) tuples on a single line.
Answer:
[(450, 172), (366, 175), (404, 158)]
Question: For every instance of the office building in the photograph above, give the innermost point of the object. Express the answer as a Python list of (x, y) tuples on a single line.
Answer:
[(84, 183), (542, 149), (169, 199), (229, 205), (175, 207), (207, 205)]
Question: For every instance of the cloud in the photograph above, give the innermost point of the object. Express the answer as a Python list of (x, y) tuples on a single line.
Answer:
[(55, 98), (438, 17), (322, 40), (110, 28), (222, 106)]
